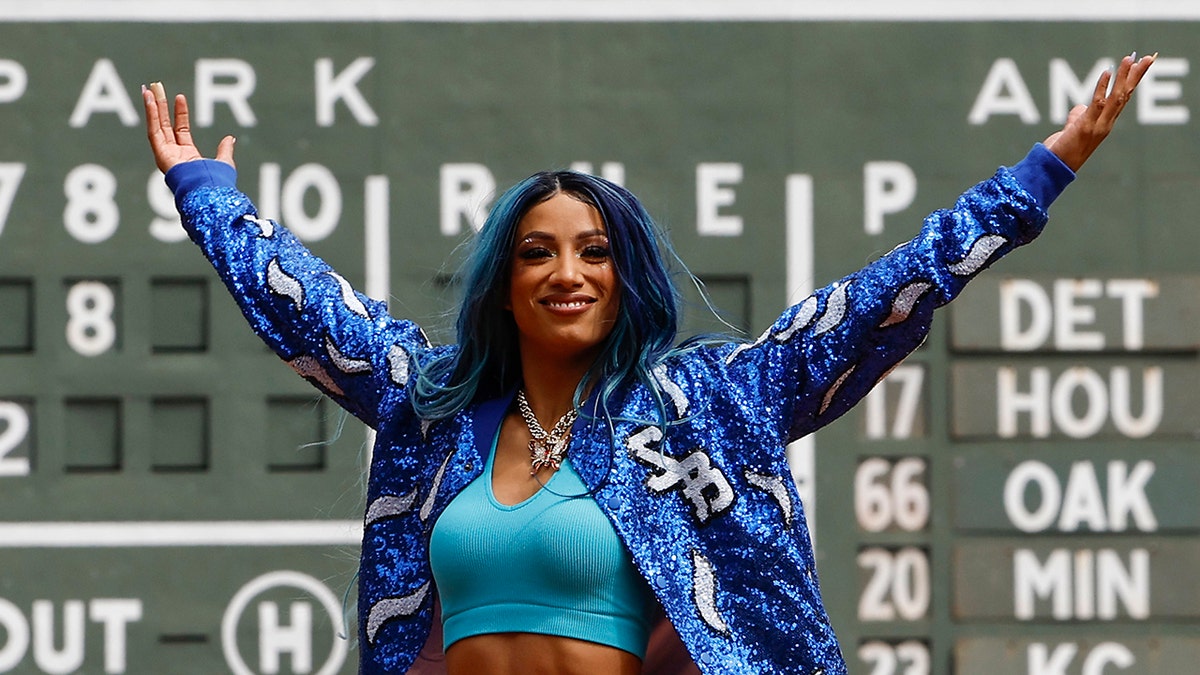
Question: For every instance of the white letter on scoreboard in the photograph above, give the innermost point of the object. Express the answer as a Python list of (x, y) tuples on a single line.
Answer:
[(115, 613), (711, 194), (103, 92), (1032, 580), (1049, 493), (1153, 90), (1082, 502), (1042, 662), (1127, 496), (274, 639), (1069, 314), (466, 190), (330, 88), (1104, 654), (235, 94), (993, 99), (17, 630), (58, 661), (1130, 585), (1014, 294), (1010, 402), (1133, 294), (888, 187)]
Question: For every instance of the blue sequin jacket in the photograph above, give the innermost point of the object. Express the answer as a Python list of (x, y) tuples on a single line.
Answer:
[(709, 513)]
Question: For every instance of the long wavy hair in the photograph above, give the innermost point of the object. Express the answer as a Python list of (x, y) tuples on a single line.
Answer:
[(487, 362)]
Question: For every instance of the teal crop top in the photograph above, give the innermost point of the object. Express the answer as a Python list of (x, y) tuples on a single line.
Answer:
[(551, 564)]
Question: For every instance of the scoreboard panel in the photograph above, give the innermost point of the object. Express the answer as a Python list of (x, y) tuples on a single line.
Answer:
[(1018, 497)]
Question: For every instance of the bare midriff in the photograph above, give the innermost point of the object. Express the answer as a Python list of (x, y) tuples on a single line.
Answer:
[(534, 654)]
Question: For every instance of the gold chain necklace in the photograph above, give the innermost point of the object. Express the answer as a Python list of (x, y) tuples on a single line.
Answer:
[(547, 448)]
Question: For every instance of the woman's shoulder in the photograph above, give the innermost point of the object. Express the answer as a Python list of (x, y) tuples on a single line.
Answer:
[(698, 361)]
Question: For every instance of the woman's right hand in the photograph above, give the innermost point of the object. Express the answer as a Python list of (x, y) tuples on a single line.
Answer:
[(171, 141)]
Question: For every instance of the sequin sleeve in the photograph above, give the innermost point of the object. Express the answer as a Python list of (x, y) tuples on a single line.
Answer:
[(343, 342), (825, 353)]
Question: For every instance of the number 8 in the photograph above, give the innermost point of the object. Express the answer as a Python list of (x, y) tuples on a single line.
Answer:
[(91, 215), (90, 328)]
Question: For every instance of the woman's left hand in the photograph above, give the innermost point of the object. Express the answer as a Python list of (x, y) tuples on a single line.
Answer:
[(1088, 125)]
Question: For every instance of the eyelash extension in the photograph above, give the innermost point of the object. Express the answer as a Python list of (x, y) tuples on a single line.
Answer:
[(533, 253)]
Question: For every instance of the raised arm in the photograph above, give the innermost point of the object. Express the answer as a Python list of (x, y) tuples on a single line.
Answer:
[(823, 355), (341, 341)]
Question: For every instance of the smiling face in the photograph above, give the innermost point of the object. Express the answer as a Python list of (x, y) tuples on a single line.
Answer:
[(563, 288)]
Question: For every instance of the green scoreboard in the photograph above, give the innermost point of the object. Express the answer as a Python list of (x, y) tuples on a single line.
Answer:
[(1022, 495)]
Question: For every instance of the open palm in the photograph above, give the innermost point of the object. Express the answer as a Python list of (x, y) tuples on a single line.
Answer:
[(171, 139)]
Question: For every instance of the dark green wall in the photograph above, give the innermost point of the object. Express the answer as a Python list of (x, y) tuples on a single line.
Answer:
[(131, 392)]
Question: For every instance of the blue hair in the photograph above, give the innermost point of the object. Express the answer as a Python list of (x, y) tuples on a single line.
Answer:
[(487, 362)]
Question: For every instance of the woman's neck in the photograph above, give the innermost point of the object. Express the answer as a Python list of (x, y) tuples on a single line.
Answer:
[(550, 386)]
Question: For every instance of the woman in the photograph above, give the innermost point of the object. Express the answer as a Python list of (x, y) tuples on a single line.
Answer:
[(563, 472)]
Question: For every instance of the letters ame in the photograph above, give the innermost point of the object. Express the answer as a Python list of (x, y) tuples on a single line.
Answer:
[(1005, 92)]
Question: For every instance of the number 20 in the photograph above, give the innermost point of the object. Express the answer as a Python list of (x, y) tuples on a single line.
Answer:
[(898, 586)]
